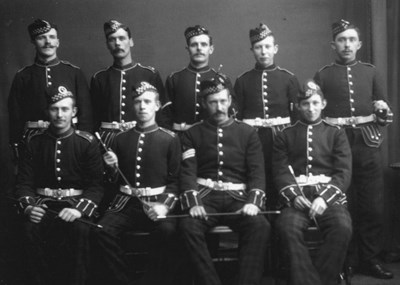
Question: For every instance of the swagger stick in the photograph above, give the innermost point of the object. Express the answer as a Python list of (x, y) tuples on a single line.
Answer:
[(217, 214), (145, 204), (55, 212), (302, 193)]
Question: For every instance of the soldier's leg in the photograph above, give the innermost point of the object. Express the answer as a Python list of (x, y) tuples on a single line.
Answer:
[(254, 234), (335, 225), (193, 232), (290, 226)]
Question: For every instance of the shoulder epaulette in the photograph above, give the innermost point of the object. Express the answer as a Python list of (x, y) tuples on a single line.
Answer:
[(25, 67), (173, 73), (39, 133), (290, 126), (171, 133), (285, 70), (330, 124), (88, 136), (152, 69), (366, 63), (70, 64), (244, 73), (326, 66), (195, 124), (101, 70)]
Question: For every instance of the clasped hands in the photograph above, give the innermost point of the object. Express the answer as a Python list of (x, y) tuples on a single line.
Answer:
[(317, 207)]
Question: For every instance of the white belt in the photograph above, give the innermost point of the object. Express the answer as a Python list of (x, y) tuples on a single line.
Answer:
[(264, 123), (303, 180), (348, 121), (180, 127), (59, 193), (37, 124), (145, 191), (221, 186), (118, 126)]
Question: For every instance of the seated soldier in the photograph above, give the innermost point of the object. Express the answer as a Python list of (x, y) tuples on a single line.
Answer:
[(148, 157), (312, 170), (60, 170), (223, 172)]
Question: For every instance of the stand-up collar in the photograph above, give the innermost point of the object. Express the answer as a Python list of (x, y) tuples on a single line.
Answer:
[(194, 69), (269, 68), (49, 63)]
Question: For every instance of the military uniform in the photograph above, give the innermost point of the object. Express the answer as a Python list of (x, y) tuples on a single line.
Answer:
[(183, 88), (111, 91), (60, 171), (351, 90), (265, 98), (222, 170), (320, 156), (150, 160), (27, 101)]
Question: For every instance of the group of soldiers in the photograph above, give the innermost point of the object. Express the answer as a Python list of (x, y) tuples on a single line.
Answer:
[(202, 147)]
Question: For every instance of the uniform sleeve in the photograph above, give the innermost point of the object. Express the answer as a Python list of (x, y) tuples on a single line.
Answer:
[(84, 103), (293, 91), (25, 186), (379, 93), (283, 179), (255, 169), (341, 175), (190, 193), (234, 106), (16, 123), (163, 116), (174, 162), (93, 189), (95, 93), (239, 99)]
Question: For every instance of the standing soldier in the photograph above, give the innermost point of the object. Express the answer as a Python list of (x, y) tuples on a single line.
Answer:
[(111, 87), (183, 87), (149, 157), (357, 102), (27, 101), (266, 94), (60, 170), (223, 171), (313, 189)]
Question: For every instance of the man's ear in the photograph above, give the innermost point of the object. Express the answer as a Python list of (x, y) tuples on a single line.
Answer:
[(333, 46), (324, 102), (211, 49), (158, 105), (74, 111)]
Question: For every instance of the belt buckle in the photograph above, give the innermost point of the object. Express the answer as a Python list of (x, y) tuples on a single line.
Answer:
[(183, 126), (351, 121), (258, 122), (219, 186), (137, 192), (58, 194), (123, 126)]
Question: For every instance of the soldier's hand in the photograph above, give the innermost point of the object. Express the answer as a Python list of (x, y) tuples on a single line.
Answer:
[(198, 212), (110, 158), (35, 214), (157, 210), (380, 105), (69, 214), (318, 207), (301, 203), (249, 210)]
